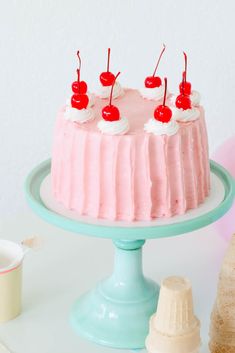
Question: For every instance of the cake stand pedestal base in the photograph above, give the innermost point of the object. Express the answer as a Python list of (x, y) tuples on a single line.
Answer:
[(116, 313)]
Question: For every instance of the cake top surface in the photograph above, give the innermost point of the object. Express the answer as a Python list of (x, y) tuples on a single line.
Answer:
[(132, 106)]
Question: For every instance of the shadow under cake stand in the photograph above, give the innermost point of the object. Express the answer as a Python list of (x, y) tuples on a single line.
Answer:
[(116, 312)]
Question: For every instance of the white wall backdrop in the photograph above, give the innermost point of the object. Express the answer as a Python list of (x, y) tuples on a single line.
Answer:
[(39, 39)]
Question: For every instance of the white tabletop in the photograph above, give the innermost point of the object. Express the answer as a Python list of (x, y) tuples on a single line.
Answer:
[(54, 278)]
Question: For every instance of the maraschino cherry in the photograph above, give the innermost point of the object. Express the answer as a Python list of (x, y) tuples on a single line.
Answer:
[(110, 112), (185, 87), (79, 86), (107, 78), (163, 113), (155, 81), (79, 100), (183, 100)]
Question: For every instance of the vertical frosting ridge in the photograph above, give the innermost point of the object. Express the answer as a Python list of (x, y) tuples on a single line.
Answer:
[(158, 176), (193, 166), (198, 158), (168, 209), (204, 144), (148, 200), (115, 177), (188, 167), (176, 176), (132, 166), (83, 172)]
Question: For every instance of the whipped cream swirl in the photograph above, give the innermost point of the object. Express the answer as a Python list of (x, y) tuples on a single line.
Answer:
[(158, 128), (185, 115), (118, 127), (195, 98), (104, 91), (78, 116), (156, 93)]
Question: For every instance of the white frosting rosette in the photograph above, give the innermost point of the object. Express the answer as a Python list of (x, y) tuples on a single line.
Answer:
[(185, 115), (117, 127), (195, 98), (156, 93), (158, 128), (104, 91), (78, 115)]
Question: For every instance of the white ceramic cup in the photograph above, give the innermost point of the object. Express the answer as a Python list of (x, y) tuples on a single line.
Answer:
[(11, 259)]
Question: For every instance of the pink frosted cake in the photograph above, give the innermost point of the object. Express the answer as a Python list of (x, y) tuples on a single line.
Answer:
[(130, 161)]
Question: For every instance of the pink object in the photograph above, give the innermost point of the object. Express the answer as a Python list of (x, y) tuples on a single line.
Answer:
[(226, 157), (137, 176)]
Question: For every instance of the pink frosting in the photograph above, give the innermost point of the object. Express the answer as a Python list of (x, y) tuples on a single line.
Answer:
[(137, 176)]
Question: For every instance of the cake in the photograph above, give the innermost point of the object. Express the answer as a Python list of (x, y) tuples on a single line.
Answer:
[(124, 162)]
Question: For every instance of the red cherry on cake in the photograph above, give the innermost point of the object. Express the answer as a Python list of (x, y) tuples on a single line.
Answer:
[(163, 113), (79, 101), (154, 81), (110, 112), (107, 78), (183, 102), (79, 86), (185, 87)]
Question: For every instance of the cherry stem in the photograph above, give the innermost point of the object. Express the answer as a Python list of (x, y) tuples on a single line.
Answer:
[(108, 59), (159, 59), (183, 82), (185, 65), (79, 60), (111, 93), (78, 72), (164, 99)]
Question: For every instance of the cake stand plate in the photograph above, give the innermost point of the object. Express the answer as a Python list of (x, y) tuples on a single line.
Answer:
[(116, 312)]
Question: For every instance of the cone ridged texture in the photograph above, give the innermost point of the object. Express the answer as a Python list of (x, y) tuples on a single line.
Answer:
[(174, 328), (222, 330), (218, 348)]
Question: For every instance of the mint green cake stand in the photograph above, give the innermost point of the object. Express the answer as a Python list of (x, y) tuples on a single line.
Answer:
[(116, 312)]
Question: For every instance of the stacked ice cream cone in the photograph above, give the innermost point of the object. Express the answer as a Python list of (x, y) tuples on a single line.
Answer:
[(174, 328), (222, 330)]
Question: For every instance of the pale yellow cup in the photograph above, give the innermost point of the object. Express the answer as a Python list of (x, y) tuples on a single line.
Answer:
[(11, 259)]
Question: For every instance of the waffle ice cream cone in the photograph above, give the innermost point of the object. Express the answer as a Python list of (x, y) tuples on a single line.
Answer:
[(219, 348), (174, 328), (222, 329)]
